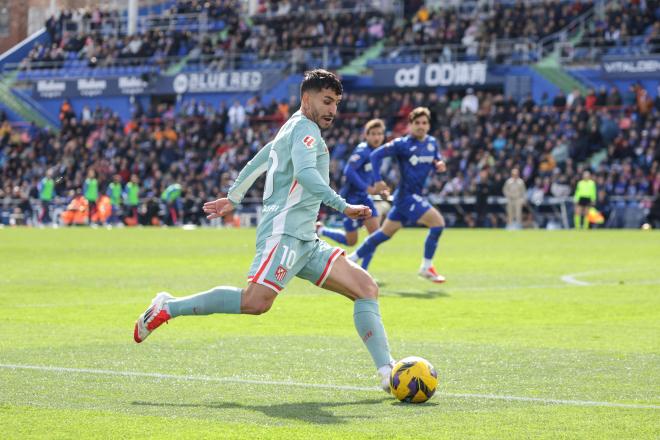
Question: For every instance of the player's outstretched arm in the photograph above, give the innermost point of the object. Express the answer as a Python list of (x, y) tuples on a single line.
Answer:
[(377, 156), (351, 171), (311, 180), (250, 172), (306, 139)]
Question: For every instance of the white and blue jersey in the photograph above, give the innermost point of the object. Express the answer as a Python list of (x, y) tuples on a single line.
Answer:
[(416, 162), (358, 177)]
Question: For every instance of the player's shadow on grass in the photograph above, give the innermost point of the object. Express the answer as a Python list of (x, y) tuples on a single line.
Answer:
[(428, 294), (311, 412)]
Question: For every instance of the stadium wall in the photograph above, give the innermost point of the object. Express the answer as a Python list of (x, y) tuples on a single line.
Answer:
[(515, 81), (284, 89)]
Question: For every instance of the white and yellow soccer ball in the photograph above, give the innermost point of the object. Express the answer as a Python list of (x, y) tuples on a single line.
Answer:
[(413, 380)]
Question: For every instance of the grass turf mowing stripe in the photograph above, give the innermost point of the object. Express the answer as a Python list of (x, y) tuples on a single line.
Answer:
[(325, 386)]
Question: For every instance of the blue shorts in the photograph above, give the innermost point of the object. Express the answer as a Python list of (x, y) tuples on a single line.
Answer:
[(351, 225), (409, 209)]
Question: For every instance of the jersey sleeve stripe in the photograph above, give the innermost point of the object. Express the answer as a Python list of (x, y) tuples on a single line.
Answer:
[(295, 182)]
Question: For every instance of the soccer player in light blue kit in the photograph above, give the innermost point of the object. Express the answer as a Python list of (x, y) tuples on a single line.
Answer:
[(418, 155), (359, 185), (297, 167)]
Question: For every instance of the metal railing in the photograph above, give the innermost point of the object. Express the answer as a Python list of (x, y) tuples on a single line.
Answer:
[(347, 7), (548, 44), (289, 59), (117, 25), (590, 50), (31, 65), (310, 9), (513, 51)]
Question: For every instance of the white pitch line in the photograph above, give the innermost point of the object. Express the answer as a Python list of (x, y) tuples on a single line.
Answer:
[(570, 279), (323, 386), (556, 401)]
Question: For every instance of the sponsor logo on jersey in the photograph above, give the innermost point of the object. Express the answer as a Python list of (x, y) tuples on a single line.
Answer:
[(309, 141), (270, 208), (355, 158), (414, 159), (280, 273)]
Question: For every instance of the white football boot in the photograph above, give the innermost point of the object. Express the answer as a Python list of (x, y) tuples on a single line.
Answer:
[(152, 318), (431, 275)]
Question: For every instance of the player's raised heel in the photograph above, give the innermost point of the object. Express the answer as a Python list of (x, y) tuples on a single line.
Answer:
[(431, 275), (152, 318)]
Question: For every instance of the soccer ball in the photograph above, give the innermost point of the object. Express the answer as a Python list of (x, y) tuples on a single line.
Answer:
[(413, 380)]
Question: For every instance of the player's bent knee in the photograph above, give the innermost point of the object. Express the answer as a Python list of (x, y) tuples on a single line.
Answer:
[(258, 307), (372, 289), (257, 299), (350, 241), (368, 289), (261, 308)]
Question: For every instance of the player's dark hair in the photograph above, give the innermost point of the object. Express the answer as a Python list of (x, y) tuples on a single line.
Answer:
[(319, 79), (419, 112)]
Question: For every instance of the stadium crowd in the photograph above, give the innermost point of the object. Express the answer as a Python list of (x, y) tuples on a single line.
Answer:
[(483, 136), (98, 37), (623, 22), (449, 32)]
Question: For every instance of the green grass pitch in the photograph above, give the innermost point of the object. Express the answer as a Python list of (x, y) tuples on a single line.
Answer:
[(536, 334)]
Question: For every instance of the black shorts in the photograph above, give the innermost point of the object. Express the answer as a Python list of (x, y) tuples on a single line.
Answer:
[(584, 201)]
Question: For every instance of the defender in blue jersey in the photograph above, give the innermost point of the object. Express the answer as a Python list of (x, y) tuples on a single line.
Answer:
[(358, 185), (418, 155)]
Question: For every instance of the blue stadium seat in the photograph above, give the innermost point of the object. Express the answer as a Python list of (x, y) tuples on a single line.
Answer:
[(638, 41), (580, 52)]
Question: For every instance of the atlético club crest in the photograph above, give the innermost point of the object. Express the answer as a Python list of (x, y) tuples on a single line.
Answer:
[(280, 273)]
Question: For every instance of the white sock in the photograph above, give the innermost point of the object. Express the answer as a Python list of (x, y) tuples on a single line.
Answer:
[(426, 263), (353, 256)]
